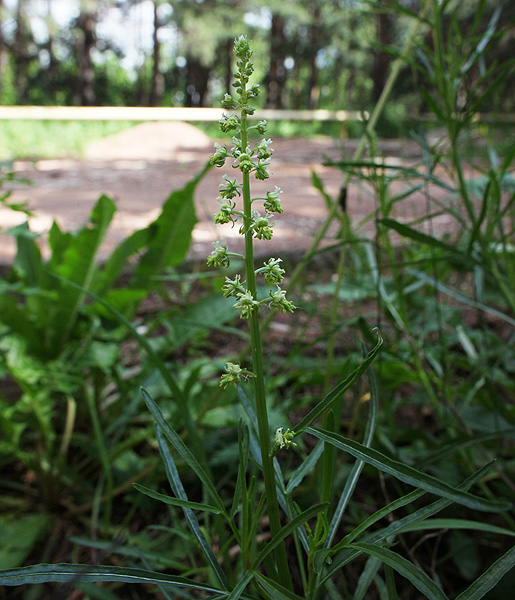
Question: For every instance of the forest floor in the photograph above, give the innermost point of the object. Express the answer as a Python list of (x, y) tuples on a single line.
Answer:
[(139, 167)]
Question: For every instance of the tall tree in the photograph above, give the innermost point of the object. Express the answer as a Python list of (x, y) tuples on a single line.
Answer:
[(157, 85), (385, 28), (85, 25)]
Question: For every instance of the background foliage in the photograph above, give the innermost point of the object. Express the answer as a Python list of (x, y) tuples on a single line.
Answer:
[(78, 339)]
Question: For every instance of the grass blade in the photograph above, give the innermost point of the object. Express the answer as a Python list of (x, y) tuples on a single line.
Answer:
[(408, 474), (63, 573), (276, 590), (418, 578), (340, 388), (175, 501), (182, 449), (456, 524), (306, 466), (285, 532), (178, 490), (352, 480), (490, 578)]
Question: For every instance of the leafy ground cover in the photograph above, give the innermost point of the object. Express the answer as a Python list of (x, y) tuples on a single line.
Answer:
[(404, 489)]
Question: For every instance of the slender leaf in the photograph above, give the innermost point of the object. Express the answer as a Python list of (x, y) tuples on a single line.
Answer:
[(367, 577), (418, 236), (276, 590), (175, 501), (456, 524), (285, 532), (182, 449), (490, 578), (352, 480), (407, 569), (347, 555), (304, 468), (340, 388), (63, 573), (178, 489), (408, 474), (240, 587)]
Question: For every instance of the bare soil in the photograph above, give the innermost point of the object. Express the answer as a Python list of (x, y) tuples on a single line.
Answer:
[(139, 168)]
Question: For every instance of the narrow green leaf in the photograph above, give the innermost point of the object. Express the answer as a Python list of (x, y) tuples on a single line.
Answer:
[(175, 501), (285, 532), (418, 578), (367, 577), (425, 512), (340, 388), (178, 489), (490, 578), (240, 587), (304, 468), (276, 590), (182, 449), (240, 489), (408, 474), (418, 236), (352, 480), (64, 573), (461, 297), (390, 583), (456, 524)]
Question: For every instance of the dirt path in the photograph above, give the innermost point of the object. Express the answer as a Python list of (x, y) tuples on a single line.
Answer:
[(139, 167)]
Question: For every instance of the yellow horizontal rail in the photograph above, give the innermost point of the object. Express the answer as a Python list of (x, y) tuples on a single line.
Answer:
[(145, 113)]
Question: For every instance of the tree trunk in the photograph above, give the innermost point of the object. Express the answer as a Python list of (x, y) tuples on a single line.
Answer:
[(276, 73), (85, 43), (314, 42), (20, 52), (157, 87), (380, 67), (197, 81)]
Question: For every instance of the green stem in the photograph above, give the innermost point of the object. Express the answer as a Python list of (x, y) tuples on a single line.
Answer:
[(283, 572)]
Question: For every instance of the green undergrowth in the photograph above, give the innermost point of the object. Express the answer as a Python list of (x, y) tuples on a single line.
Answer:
[(32, 140)]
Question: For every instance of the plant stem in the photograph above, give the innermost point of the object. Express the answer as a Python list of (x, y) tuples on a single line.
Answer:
[(283, 572)]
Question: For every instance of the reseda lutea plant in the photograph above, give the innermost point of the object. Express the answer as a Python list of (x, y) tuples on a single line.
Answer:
[(253, 224)]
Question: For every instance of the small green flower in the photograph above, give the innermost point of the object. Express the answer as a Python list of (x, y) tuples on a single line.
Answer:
[(229, 123), (219, 256), (231, 189), (245, 163), (263, 149), (279, 302), (242, 48), (262, 227), (253, 91), (246, 304), (225, 213), (235, 374), (261, 127), (272, 272), (229, 102), (219, 156), (232, 287), (284, 440), (272, 202), (261, 171)]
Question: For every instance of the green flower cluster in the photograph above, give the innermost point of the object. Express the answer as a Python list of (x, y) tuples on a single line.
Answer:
[(253, 222), (247, 160)]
